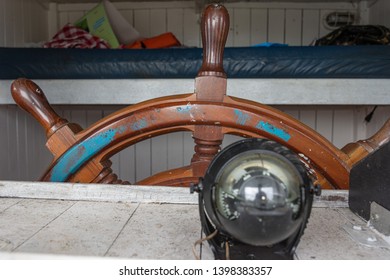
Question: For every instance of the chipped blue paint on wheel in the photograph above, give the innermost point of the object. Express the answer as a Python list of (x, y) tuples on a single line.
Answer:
[(271, 129), (79, 154)]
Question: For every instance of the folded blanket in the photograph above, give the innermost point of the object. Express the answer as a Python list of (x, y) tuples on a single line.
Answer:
[(74, 37)]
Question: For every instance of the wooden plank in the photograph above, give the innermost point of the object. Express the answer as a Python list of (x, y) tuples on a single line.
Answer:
[(291, 110), (293, 31), (293, 4), (159, 153), (381, 115), (97, 192), (2, 19), (324, 123), (62, 19), (87, 228), (268, 91), (229, 139), (93, 115), (175, 18), (311, 26), (39, 22), (12, 144), (21, 141), (168, 230), (360, 114), (259, 26), (175, 150), (126, 169), (18, 14), (276, 25), (158, 22), (129, 5), (142, 22), (24, 219), (128, 15), (191, 36), (10, 16), (75, 16), (188, 147), (79, 116), (33, 172), (4, 151), (143, 156), (343, 127), (308, 117), (241, 27), (53, 20)]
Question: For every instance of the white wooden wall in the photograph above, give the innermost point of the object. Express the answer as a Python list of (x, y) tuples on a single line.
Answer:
[(26, 21), (22, 21), (379, 12), (250, 23), (23, 155)]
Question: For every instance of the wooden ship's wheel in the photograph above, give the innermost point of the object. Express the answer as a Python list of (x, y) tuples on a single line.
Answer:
[(82, 155)]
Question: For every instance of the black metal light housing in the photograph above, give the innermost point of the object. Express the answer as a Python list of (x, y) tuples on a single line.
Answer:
[(257, 196)]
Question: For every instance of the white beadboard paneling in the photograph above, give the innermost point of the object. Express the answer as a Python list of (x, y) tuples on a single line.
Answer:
[(75, 16), (79, 116), (378, 12), (188, 147), (142, 22), (20, 27), (293, 30), (158, 23), (62, 19), (127, 165), (241, 21), (360, 114), (175, 150), (292, 111), (93, 115), (129, 16), (293, 23), (259, 26), (191, 36), (143, 159), (159, 146), (324, 122), (25, 156), (276, 25), (343, 127), (310, 26), (2, 21), (308, 117), (10, 18), (38, 22), (175, 18), (381, 115), (4, 150), (12, 123)]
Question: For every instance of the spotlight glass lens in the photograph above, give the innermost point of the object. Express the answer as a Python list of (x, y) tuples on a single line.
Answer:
[(257, 197)]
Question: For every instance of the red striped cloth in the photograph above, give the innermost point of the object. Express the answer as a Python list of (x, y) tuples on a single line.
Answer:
[(74, 37)]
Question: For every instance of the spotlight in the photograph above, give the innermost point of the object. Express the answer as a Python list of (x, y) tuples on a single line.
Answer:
[(255, 200)]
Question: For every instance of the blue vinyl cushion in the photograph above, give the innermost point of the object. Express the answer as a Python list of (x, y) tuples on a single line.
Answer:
[(248, 62)]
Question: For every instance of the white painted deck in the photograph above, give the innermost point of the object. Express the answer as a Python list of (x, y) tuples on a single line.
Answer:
[(41, 220)]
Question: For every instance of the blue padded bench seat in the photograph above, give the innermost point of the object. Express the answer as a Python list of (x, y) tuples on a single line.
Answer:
[(247, 62)]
